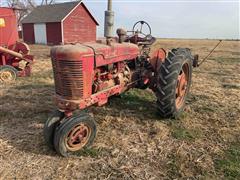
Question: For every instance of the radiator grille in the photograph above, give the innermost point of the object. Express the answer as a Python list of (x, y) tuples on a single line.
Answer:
[(68, 78)]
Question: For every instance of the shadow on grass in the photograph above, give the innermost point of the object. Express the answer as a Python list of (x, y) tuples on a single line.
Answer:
[(24, 109), (140, 103), (32, 103)]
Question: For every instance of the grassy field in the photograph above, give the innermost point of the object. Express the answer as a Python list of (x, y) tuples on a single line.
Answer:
[(132, 142)]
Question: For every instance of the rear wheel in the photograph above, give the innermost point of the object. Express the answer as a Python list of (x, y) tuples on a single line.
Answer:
[(173, 82), (8, 74), (74, 134)]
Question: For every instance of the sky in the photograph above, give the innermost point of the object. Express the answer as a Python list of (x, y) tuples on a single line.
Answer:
[(213, 19)]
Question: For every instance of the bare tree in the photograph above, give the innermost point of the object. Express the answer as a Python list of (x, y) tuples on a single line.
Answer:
[(46, 2), (22, 7)]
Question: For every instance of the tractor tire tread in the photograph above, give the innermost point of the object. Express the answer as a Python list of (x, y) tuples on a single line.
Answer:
[(167, 81)]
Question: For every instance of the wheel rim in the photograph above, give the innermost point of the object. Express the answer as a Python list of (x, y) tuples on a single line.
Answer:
[(7, 76), (78, 137), (182, 85)]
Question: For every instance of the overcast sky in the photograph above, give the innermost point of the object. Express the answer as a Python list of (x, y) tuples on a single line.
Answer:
[(174, 18)]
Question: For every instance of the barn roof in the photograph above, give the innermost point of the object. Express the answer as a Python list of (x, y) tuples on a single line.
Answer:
[(53, 13)]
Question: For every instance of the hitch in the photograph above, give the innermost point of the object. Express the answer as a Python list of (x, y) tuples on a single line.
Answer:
[(196, 57)]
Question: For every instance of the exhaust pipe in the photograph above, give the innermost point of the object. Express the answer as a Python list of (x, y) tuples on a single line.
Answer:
[(109, 21)]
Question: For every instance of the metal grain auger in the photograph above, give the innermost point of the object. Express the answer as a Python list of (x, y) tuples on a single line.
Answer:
[(15, 58), (88, 74)]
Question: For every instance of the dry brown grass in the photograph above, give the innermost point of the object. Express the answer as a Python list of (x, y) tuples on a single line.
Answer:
[(132, 142)]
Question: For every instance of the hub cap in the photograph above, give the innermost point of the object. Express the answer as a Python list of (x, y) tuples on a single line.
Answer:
[(78, 137), (182, 85), (6, 76)]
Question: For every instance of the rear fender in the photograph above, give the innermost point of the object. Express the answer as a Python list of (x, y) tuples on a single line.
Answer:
[(157, 57)]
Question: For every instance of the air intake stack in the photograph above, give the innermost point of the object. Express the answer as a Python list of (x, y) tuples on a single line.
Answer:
[(109, 21)]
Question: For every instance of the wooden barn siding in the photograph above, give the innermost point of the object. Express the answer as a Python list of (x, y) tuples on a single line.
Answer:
[(54, 33), (79, 27), (28, 33)]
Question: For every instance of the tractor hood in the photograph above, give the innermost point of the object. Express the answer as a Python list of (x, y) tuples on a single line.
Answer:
[(103, 54)]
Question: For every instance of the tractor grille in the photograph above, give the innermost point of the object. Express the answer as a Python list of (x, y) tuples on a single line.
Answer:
[(68, 78)]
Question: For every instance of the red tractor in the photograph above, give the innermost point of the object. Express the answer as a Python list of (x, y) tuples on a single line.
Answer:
[(88, 74), (15, 60)]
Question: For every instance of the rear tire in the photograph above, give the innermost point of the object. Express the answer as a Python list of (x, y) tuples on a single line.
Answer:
[(8, 74), (173, 82)]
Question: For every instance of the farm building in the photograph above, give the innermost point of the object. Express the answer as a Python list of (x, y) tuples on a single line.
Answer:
[(63, 23)]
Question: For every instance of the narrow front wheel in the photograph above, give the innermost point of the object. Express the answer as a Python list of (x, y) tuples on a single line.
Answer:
[(50, 126), (74, 134)]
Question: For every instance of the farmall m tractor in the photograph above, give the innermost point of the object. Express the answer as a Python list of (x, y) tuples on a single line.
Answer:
[(15, 60), (88, 74)]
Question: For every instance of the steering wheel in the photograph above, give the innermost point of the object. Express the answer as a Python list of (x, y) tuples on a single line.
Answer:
[(141, 26)]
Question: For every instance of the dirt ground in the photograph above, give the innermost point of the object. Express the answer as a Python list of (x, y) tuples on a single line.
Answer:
[(132, 141)]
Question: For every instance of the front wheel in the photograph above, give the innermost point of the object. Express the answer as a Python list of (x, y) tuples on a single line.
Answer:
[(74, 134), (173, 82), (8, 74), (50, 126)]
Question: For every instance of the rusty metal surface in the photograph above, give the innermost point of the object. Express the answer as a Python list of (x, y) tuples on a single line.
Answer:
[(157, 57), (71, 52), (89, 73), (99, 98), (115, 53), (10, 52), (73, 67), (8, 31), (68, 76), (78, 137), (15, 55), (182, 84)]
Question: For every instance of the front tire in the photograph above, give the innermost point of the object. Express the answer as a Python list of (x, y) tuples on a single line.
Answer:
[(50, 126), (74, 134), (173, 82)]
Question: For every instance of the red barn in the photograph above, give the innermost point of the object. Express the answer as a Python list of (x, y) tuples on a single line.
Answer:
[(63, 23)]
